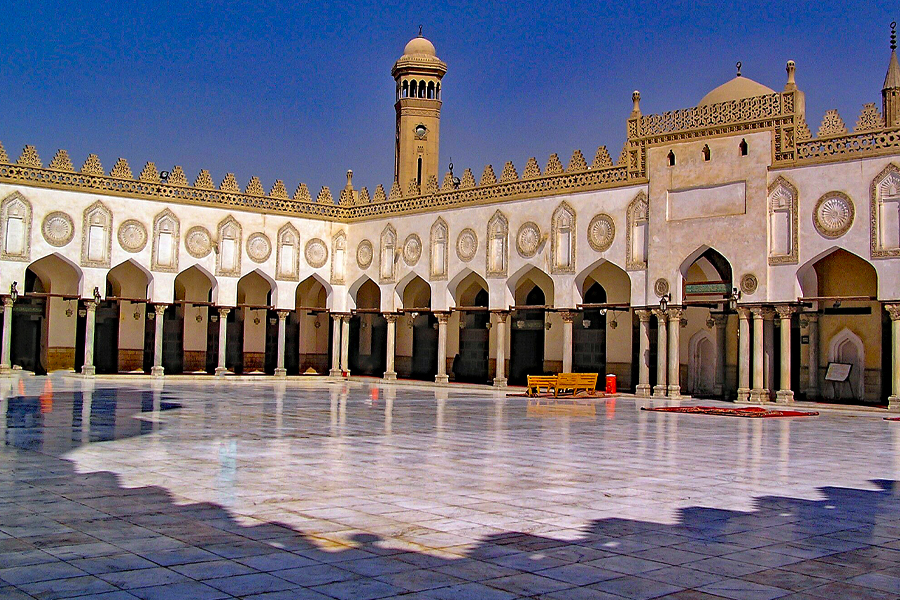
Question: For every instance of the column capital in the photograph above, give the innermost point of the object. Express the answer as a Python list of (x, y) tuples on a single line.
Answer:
[(785, 311), (442, 317), (390, 317), (643, 314), (812, 317), (502, 315), (567, 315), (743, 312), (8, 301), (721, 319), (892, 309), (675, 313), (659, 314), (91, 304), (223, 312), (283, 314), (763, 312), (159, 309), (346, 317)]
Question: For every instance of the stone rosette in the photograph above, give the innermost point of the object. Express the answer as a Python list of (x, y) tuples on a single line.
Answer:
[(661, 287), (259, 248), (198, 241), (132, 235), (749, 283), (466, 244), (364, 254), (833, 215), (58, 228), (528, 239), (601, 232), (412, 249), (316, 253)]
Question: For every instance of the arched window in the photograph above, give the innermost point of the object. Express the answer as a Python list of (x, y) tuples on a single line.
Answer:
[(431, 90), (412, 88), (405, 92), (438, 92), (419, 173), (422, 89), (671, 158), (706, 152), (744, 147)]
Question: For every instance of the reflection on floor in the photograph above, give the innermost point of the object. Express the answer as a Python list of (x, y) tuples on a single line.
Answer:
[(315, 490)]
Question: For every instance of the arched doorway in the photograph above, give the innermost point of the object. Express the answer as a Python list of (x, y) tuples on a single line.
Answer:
[(527, 337), (189, 325), (368, 332), (258, 326), (44, 321), (701, 365), (308, 336), (589, 334), (417, 343), (471, 364), (121, 320), (602, 331)]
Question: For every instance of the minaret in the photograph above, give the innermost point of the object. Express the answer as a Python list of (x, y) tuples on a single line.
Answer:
[(890, 93), (418, 75)]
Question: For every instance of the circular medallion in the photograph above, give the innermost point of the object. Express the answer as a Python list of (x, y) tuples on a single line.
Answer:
[(258, 247), (132, 235), (466, 244), (601, 232), (198, 242), (661, 287), (749, 283), (412, 249), (58, 228), (834, 214), (316, 253), (364, 254), (528, 239)]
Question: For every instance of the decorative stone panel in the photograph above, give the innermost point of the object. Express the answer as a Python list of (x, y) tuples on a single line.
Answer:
[(338, 257), (466, 244), (166, 233), (259, 247), (637, 224), (497, 255), (784, 220), (316, 253), (528, 239), (387, 257), (15, 221), (884, 219), (601, 232), (364, 254), (833, 215), (228, 259), (96, 236), (749, 283), (562, 243), (132, 236), (287, 258), (440, 235), (412, 249)]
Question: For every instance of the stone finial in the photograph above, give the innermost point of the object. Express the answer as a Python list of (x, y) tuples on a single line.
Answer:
[(363, 197), (635, 103), (509, 173), (62, 162), (204, 180), (380, 196), (149, 174), (577, 162), (92, 165), (532, 169), (30, 158), (278, 190), (302, 194), (349, 185), (487, 176), (869, 119), (177, 177), (832, 125), (121, 170), (791, 84), (230, 184), (324, 196), (554, 167), (4, 158), (254, 187), (396, 193), (468, 179), (602, 159)]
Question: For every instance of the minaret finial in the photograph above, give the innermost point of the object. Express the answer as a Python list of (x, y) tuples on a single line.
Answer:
[(420, 30), (893, 35), (738, 65)]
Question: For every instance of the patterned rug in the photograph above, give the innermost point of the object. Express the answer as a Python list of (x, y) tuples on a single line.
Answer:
[(753, 412)]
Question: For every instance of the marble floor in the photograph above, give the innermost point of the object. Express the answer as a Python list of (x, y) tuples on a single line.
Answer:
[(310, 489)]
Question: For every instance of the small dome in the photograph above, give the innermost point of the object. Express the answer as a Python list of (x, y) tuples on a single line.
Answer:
[(419, 46), (736, 89)]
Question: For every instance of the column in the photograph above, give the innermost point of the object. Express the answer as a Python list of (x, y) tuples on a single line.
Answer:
[(894, 313), (159, 311), (223, 337), (643, 387), (758, 392), (661, 342), (441, 376), (335, 346), (674, 388), (769, 352), (500, 378), (280, 371), (567, 317), (785, 394), (5, 366), (812, 389), (345, 343), (390, 373), (743, 393), (88, 368), (721, 320)]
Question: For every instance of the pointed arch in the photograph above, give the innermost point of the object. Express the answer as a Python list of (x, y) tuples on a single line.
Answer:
[(884, 230), (96, 245), (287, 258), (562, 247), (440, 235), (58, 274), (166, 228), (463, 283), (614, 279), (195, 276), (636, 232), (528, 277), (497, 255), (228, 242), (309, 292), (131, 278), (847, 347), (15, 228), (412, 288), (783, 222), (705, 265), (356, 286), (257, 278), (809, 283)]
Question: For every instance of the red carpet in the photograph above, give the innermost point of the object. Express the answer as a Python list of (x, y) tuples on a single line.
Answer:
[(754, 412)]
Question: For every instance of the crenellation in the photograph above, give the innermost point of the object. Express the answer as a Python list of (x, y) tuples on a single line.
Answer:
[(92, 166), (380, 196), (302, 194), (832, 125), (395, 194), (532, 169), (468, 180), (149, 174), (870, 119), (509, 173), (278, 190), (4, 158), (30, 158), (554, 166), (324, 196), (177, 177), (487, 176), (431, 186), (577, 162), (62, 162), (121, 170), (602, 159), (204, 180), (229, 184), (363, 197), (254, 187)]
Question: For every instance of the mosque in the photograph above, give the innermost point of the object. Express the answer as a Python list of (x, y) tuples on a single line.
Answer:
[(727, 252)]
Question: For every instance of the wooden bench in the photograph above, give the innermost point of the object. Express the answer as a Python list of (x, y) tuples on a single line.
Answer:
[(536, 382), (575, 382)]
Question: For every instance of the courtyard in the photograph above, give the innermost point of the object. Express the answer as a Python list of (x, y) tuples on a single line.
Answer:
[(124, 488)]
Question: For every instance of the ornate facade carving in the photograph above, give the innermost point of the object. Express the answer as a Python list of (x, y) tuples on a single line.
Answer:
[(869, 119), (259, 247), (884, 221), (316, 253), (121, 170), (637, 225), (601, 232), (497, 256), (784, 222), (287, 257), (749, 284), (661, 287), (58, 228), (62, 162), (466, 244), (228, 258), (412, 249), (528, 239), (832, 124), (833, 215), (562, 243), (198, 241), (132, 235), (338, 257), (166, 233), (387, 254), (96, 236), (15, 228), (439, 242), (364, 254)]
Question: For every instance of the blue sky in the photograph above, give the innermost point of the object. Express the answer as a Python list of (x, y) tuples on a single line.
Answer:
[(302, 91)]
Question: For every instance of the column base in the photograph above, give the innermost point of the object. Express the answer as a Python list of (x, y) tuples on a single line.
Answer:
[(759, 396), (5, 370), (335, 373), (88, 370), (442, 379), (500, 382), (659, 390), (390, 375), (743, 395), (643, 390), (222, 372), (784, 396), (674, 391), (281, 372), (157, 371), (894, 403)]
